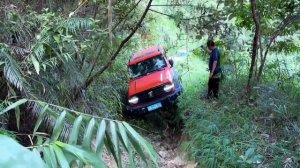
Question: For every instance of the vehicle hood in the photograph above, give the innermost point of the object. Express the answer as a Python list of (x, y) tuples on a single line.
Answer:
[(150, 81)]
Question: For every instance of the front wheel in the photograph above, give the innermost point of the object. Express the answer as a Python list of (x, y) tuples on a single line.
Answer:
[(172, 115)]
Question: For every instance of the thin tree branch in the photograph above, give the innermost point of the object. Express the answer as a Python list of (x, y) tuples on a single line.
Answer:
[(155, 11), (114, 56), (126, 15), (171, 5), (173, 16)]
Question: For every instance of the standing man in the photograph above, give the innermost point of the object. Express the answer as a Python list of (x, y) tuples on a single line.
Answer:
[(214, 70)]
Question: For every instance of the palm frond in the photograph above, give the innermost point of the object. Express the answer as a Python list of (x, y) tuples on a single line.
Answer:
[(38, 51), (12, 71), (19, 51), (75, 25), (110, 134)]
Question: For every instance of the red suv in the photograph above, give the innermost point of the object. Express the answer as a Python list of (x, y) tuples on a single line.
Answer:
[(153, 82)]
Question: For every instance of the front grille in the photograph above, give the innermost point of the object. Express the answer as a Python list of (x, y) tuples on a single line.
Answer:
[(152, 94)]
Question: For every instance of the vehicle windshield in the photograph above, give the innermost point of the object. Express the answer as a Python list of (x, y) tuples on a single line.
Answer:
[(147, 66)]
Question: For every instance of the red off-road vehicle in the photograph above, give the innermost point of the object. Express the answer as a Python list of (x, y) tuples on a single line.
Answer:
[(153, 82)]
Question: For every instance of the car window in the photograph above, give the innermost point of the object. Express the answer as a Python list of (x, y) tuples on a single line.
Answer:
[(147, 66)]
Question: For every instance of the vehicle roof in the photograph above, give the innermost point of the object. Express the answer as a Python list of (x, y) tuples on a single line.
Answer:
[(145, 54)]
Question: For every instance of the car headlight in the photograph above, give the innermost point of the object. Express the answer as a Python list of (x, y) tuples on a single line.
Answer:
[(168, 88), (133, 100)]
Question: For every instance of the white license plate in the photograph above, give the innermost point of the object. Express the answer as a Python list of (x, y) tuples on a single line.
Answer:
[(154, 106)]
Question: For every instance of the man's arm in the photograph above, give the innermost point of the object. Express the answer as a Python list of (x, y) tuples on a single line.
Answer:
[(213, 69), (214, 65)]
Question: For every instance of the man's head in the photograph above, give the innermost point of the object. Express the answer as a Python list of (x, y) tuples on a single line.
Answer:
[(211, 44)]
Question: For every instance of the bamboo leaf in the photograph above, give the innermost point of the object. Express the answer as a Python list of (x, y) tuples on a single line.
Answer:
[(49, 156), (14, 105), (85, 156), (100, 137), (75, 131), (58, 127), (61, 157), (139, 141), (87, 138), (40, 119), (109, 145), (125, 141), (115, 141), (138, 148), (123, 135)]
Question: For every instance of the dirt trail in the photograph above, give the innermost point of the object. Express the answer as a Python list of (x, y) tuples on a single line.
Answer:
[(168, 148), (166, 140)]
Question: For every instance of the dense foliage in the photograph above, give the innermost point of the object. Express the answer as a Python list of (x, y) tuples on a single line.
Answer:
[(63, 79), (59, 96)]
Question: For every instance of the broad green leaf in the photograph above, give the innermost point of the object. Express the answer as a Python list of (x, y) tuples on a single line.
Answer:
[(75, 131), (40, 119), (14, 155), (100, 137), (61, 157), (14, 105), (85, 156), (58, 127), (36, 64), (87, 138)]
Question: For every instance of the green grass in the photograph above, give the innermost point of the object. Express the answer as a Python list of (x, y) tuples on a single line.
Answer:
[(233, 132)]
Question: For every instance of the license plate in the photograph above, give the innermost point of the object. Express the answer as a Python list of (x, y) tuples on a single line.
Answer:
[(154, 106)]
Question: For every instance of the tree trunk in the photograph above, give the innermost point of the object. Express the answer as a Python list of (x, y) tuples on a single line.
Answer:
[(255, 43), (285, 23)]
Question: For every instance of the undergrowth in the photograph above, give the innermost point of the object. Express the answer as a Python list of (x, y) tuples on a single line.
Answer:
[(262, 131)]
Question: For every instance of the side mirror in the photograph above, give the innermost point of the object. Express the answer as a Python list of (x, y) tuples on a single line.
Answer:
[(171, 62)]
